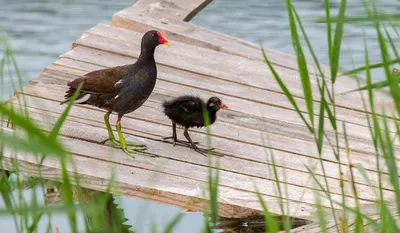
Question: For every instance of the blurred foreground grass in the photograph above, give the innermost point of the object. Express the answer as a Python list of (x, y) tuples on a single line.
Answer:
[(28, 212)]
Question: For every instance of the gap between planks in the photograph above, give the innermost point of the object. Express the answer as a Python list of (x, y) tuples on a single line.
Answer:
[(99, 121), (77, 55), (283, 114), (154, 113), (151, 110), (274, 140), (117, 39), (182, 171), (362, 145)]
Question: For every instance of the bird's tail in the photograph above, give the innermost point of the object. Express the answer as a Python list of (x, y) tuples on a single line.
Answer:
[(80, 99)]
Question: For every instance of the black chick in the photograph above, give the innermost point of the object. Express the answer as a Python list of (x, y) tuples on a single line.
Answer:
[(187, 111)]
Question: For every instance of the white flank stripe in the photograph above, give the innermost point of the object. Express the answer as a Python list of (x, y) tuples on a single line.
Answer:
[(119, 82), (83, 99)]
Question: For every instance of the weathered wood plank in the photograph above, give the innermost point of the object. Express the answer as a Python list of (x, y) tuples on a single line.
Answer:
[(160, 165), (131, 18), (178, 9), (231, 68), (277, 121), (259, 112), (186, 57), (255, 107), (328, 155), (206, 84), (243, 68), (284, 114), (137, 19), (249, 151), (136, 182), (299, 147), (142, 126)]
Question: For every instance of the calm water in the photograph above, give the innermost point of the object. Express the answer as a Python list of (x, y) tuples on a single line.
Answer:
[(39, 31)]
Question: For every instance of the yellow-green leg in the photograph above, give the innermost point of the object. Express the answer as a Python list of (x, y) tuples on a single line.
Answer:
[(111, 137), (137, 149)]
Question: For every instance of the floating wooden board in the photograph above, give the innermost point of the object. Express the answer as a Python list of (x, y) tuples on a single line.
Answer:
[(259, 121)]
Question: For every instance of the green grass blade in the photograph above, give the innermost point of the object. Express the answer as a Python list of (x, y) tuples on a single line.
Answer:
[(320, 135), (66, 192), (376, 85), (315, 59), (391, 161), (328, 29), (364, 174), (38, 141), (392, 44), (57, 126), (286, 91), (7, 197), (381, 17), (301, 63), (358, 221), (213, 182), (153, 226), (281, 197), (331, 116), (206, 226), (392, 80), (320, 215), (34, 146), (171, 225), (388, 222), (23, 123), (354, 211), (384, 83), (271, 224), (310, 48), (337, 41), (372, 66), (35, 223)]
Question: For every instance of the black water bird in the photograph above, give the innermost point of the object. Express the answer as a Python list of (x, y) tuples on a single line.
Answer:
[(121, 89)]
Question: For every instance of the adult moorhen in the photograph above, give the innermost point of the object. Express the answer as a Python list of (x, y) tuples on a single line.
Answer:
[(121, 89), (187, 111)]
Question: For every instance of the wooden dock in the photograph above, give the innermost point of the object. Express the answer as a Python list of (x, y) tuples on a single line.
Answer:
[(204, 63)]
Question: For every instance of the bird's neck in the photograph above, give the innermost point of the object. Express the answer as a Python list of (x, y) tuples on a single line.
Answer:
[(146, 54), (212, 114)]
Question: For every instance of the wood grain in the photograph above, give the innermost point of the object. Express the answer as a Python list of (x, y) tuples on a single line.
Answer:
[(231, 68), (177, 9), (260, 121), (256, 139), (153, 125), (253, 106)]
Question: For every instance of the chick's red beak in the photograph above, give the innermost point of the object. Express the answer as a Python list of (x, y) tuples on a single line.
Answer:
[(223, 106), (162, 40)]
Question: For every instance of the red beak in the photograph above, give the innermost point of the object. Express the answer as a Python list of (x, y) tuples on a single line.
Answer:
[(162, 39), (223, 106)]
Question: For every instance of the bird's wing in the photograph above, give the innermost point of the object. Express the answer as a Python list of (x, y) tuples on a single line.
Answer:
[(188, 106), (104, 80)]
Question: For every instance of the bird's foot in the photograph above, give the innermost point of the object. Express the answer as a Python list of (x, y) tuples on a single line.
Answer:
[(204, 151), (178, 141), (139, 151), (116, 144)]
